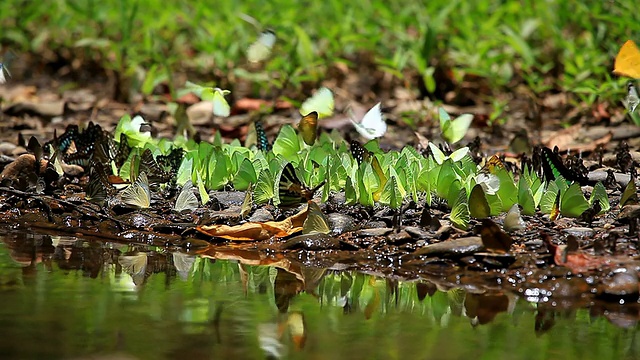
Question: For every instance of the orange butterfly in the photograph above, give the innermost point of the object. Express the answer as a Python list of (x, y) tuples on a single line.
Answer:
[(308, 126), (628, 61)]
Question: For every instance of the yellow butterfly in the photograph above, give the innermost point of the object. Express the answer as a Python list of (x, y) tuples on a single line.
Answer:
[(628, 61), (308, 127)]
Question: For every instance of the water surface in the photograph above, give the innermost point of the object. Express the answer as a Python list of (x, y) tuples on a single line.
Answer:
[(63, 297)]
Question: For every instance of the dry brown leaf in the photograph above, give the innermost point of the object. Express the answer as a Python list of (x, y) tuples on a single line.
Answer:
[(254, 231), (563, 138)]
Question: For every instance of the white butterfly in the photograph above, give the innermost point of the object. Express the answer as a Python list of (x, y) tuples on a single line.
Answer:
[(186, 200), (513, 221), (138, 194), (490, 183), (632, 100), (321, 102), (372, 125), (440, 157), (261, 48), (3, 70)]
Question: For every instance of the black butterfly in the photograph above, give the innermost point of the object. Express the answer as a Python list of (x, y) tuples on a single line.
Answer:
[(164, 168), (553, 167), (262, 142), (99, 187), (77, 147), (359, 152), (291, 191)]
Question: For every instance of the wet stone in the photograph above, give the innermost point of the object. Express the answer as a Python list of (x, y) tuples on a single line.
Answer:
[(581, 232), (261, 215), (399, 237), (455, 247), (312, 242), (229, 198), (374, 232), (417, 232), (622, 283), (340, 223)]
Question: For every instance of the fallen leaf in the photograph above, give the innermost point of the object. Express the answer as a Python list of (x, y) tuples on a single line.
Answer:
[(253, 231)]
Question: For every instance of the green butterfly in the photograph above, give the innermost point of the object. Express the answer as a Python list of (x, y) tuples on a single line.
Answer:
[(572, 201), (460, 216), (478, 204), (454, 130), (316, 222)]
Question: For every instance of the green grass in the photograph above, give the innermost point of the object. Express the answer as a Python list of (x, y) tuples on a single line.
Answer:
[(549, 46)]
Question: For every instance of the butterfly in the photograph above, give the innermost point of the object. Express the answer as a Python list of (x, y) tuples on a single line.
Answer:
[(138, 194), (77, 147), (162, 169), (478, 204), (440, 157), (220, 105), (261, 48), (99, 188), (632, 100), (321, 102), (573, 202), (359, 152), (186, 200), (553, 168), (454, 130), (630, 193), (308, 127), (513, 221), (460, 211), (316, 222), (4, 73), (493, 238), (257, 136), (372, 125), (291, 191), (627, 61)]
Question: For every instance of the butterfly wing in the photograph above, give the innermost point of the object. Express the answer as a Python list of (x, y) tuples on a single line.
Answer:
[(138, 194), (289, 187), (454, 130), (627, 61), (372, 125), (572, 201), (308, 127), (478, 204), (186, 200), (316, 222), (321, 102), (261, 49), (632, 100), (220, 105), (513, 221)]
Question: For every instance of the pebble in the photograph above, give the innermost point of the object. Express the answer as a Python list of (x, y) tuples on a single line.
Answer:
[(340, 223), (457, 247), (581, 232)]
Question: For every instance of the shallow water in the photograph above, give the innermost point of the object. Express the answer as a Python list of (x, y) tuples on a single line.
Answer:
[(62, 297)]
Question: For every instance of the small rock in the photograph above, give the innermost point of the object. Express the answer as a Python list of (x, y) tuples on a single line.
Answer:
[(311, 242), (200, 113), (228, 198), (261, 215), (374, 232), (623, 283), (581, 232), (399, 238), (340, 223), (455, 247), (6, 148), (417, 232)]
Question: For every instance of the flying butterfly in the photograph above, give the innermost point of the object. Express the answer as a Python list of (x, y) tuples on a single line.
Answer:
[(632, 100), (291, 191), (321, 102), (260, 50), (553, 167), (308, 127), (359, 152), (372, 125), (627, 61), (454, 130), (4, 70)]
